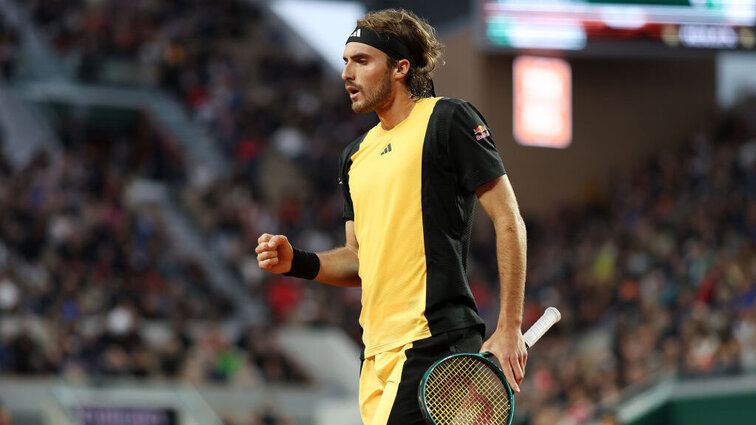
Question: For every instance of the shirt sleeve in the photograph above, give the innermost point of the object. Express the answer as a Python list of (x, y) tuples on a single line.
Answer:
[(345, 162), (472, 148)]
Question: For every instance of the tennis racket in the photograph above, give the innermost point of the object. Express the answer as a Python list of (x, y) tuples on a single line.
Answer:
[(470, 389)]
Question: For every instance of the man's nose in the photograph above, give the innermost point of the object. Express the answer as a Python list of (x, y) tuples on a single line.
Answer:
[(346, 73)]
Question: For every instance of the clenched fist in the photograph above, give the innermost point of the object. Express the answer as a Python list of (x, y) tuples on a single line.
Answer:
[(274, 253)]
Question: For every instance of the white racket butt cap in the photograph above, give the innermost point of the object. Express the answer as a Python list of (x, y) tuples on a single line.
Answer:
[(546, 321)]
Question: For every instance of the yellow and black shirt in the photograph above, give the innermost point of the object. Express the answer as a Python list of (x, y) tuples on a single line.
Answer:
[(410, 191)]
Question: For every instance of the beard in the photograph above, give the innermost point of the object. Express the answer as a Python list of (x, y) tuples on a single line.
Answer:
[(378, 97)]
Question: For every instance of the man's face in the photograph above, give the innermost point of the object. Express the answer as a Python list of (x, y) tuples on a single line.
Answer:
[(367, 77)]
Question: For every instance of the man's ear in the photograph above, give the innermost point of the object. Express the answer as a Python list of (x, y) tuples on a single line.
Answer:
[(402, 68)]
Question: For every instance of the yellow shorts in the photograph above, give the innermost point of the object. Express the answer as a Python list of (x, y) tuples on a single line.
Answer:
[(389, 380), (379, 383)]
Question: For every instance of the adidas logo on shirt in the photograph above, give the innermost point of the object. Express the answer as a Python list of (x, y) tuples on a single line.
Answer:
[(387, 149)]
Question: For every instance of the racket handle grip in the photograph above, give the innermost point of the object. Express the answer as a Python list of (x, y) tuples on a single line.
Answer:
[(547, 320)]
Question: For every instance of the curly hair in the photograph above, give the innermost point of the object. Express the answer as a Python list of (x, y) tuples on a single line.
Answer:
[(418, 36)]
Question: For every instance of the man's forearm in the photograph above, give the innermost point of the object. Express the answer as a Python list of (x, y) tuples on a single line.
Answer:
[(511, 254), (339, 266)]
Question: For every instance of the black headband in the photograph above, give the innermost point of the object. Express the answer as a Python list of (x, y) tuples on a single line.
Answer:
[(387, 43)]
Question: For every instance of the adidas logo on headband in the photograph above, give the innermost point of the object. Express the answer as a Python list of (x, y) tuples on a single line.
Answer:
[(356, 33)]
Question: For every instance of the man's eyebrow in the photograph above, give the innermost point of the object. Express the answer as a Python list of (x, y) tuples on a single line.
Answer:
[(357, 56)]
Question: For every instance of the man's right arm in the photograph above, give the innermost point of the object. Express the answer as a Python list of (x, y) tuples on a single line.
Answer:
[(338, 266)]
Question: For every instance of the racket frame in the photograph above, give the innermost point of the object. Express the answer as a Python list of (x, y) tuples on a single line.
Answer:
[(539, 328), (482, 358)]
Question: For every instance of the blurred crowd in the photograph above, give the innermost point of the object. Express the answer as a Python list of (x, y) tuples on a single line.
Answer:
[(658, 279), (157, 38), (89, 282)]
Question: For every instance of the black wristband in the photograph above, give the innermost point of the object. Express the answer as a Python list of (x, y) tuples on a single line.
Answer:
[(305, 264)]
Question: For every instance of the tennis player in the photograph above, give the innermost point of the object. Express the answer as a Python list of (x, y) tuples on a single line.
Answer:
[(410, 185)]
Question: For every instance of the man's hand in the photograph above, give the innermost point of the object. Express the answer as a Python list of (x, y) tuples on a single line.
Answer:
[(274, 253), (509, 348)]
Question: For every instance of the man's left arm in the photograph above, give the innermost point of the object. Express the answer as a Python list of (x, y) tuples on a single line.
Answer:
[(498, 200)]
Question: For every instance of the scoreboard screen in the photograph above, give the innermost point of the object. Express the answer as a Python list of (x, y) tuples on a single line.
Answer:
[(618, 27)]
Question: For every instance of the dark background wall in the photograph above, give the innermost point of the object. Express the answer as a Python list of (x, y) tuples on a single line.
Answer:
[(623, 110), (441, 14)]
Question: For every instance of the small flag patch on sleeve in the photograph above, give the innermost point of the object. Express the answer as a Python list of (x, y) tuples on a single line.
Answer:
[(481, 132)]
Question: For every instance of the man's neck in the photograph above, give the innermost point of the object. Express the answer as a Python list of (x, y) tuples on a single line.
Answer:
[(397, 110)]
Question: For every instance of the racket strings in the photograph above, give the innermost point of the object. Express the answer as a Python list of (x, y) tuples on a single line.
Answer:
[(464, 391)]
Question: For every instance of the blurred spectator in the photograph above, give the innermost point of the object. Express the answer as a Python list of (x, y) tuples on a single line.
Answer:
[(9, 51), (269, 416), (5, 415), (608, 419)]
